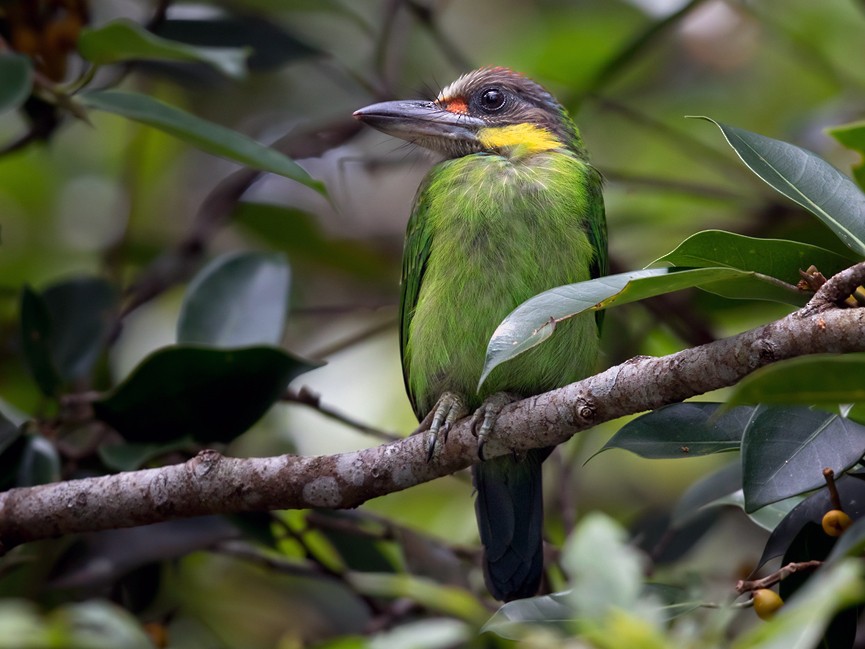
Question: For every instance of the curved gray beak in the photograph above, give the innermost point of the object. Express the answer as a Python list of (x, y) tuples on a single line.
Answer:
[(419, 121)]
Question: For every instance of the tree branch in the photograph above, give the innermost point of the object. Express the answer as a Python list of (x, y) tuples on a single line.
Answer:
[(213, 484)]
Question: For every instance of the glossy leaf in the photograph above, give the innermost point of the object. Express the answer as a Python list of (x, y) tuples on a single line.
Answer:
[(237, 300), (535, 319), (298, 235), (683, 430), (777, 258), (550, 610), (852, 494), (37, 329), (784, 452), (768, 517), (805, 178), (82, 311), (16, 71), (205, 135), (705, 492), (39, 462), (271, 45), (853, 137), (213, 395), (129, 457), (817, 378), (124, 40), (12, 444)]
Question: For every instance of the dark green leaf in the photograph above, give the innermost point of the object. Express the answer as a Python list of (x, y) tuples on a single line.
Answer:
[(129, 457), (39, 462), (123, 40), (785, 449), (852, 495), (12, 445), (554, 610), (853, 137), (37, 329), (236, 300), (210, 137), (771, 257), (210, 394), (271, 45), (82, 312), (805, 178), (535, 319), (707, 491), (297, 234), (16, 71), (818, 378), (683, 430)]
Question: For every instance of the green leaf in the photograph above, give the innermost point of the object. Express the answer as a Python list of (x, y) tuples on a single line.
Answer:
[(210, 394), (604, 570), (771, 257), (238, 299), (271, 45), (802, 621), (683, 430), (298, 235), (535, 319), (37, 328), (39, 462), (129, 457), (811, 510), (510, 620), (205, 135), (706, 492), (82, 312), (768, 517), (123, 40), (449, 600), (16, 71), (785, 449), (853, 137), (817, 378), (806, 179)]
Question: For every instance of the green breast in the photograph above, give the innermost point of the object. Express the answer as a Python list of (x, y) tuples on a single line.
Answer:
[(487, 233)]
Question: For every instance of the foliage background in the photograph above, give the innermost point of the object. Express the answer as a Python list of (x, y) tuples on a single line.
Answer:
[(111, 197)]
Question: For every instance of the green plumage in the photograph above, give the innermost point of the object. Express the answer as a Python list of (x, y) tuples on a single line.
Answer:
[(514, 210)]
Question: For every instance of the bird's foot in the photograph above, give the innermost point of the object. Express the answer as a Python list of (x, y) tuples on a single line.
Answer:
[(450, 408), (484, 418)]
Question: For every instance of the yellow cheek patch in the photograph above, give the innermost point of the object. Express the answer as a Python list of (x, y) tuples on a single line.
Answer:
[(522, 138)]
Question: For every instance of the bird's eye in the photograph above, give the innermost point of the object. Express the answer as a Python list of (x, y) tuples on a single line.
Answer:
[(492, 100)]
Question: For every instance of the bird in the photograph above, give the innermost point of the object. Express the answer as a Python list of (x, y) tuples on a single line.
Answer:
[(512, 208)]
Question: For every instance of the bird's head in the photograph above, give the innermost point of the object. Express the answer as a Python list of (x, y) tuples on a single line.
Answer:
[(490, 110)]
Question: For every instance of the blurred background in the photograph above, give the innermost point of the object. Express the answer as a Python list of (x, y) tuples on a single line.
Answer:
[(110, 197)]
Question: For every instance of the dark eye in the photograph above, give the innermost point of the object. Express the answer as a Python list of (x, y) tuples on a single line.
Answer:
[(492, 100)]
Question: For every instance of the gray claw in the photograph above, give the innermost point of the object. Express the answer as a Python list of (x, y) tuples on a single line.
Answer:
[(450, 408), (487, 414)]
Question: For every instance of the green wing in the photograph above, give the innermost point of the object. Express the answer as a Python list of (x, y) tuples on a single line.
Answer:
[(418, 240), (596, 229)]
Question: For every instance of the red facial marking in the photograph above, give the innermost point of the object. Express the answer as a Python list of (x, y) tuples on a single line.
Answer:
[(456, 105)]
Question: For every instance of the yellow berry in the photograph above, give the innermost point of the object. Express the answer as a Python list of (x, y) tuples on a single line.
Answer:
[(766, 602), (835, 522)]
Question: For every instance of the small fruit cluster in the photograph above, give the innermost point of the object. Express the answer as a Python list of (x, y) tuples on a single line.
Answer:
[(766, 602)]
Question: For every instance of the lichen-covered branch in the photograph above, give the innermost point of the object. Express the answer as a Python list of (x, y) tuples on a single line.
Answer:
[(211, 483)]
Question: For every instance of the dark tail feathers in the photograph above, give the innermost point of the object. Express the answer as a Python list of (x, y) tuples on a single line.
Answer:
[(510, 513)]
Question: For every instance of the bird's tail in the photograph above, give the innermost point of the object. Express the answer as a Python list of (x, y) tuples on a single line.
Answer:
[(510, 513)]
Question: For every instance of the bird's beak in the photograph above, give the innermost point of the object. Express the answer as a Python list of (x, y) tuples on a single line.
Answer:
[(422, 122)]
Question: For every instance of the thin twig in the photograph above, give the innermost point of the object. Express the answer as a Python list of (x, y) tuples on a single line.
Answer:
[(746, 585), (307, 397)]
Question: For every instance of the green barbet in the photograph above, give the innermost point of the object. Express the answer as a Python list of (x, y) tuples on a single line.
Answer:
[(515, 208)]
